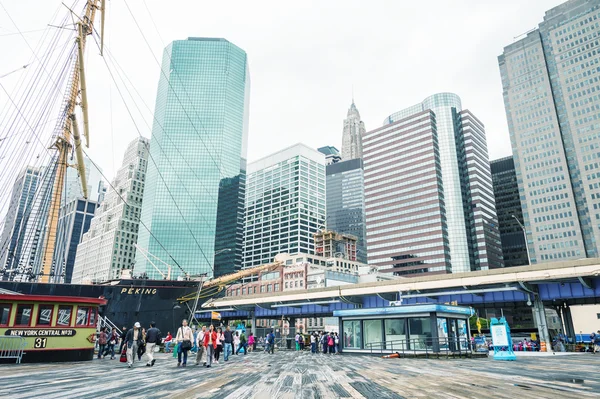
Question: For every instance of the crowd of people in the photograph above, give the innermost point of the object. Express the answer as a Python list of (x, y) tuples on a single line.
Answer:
[(207, 345)]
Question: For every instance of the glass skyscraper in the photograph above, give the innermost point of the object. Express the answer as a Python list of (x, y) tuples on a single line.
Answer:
[(197, 158), (285, 204), (428, 191), (551, 88)]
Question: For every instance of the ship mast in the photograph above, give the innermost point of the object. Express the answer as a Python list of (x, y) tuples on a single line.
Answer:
[(70, 136)]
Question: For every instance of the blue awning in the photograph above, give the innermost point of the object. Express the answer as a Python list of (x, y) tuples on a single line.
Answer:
[(408, 309)]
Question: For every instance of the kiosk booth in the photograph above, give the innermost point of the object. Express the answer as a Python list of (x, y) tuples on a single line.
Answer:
[(411, 328)]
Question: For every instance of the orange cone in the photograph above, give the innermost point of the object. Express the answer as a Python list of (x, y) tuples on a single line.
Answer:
[(392, 356)]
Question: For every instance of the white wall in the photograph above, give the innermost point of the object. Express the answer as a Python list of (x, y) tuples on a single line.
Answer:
[(585, 318)]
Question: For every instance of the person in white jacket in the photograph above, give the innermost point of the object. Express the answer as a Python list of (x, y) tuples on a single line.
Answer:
[(201, 354), (184, 338)]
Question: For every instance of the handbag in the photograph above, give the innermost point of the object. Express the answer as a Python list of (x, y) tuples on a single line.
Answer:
[(186, 345), (123, 358)]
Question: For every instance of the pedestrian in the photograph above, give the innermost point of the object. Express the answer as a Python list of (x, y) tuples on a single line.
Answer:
[(297, 338), (142, 345), (337, 343), (219, 347), (301, 341), (228, 340), (331, 343), (271, 342), (243, 343), (153, 338), (200, 353), (113, 338), (324, 342), (236, 343), (251, 343), (132, 340), (168, 342), (184, 338), (210, 344), (102, 341), (122, 336), (596, 341), (313, 343)]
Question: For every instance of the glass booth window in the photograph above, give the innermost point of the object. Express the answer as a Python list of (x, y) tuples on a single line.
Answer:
[(419, 329), (463, 334), (373, 333), (395, 333), (352, 334)]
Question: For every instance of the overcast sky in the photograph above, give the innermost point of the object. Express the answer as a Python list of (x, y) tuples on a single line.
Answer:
[(305, 59)]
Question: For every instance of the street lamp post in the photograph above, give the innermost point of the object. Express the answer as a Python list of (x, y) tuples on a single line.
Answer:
[(525, 234)]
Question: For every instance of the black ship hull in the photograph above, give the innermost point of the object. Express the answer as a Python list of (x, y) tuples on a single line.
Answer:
[(129, 301)]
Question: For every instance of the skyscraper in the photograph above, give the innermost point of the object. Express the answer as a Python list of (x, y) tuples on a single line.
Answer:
[(428, 189), (95, 184), (25, 223), (332, 155), (73, 222), (285, 204), (552, 100), (346, 202), (354, 130), (108, 247), (197, 151), (508, 209)]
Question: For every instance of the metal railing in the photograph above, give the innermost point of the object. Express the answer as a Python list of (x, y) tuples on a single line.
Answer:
[(105, 322), (429, 347), (12, 347)]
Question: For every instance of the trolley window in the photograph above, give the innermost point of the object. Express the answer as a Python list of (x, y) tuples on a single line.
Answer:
[(44, 316), (83, 314), (64, 315), (23, 316), (5, 313), (92, 321)]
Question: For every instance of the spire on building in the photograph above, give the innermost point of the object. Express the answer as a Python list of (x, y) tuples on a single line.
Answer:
[(354, 129)]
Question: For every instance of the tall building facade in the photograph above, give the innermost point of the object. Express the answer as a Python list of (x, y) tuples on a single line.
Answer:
[(550, 81), (354, 130), (285, 204), (197, 158), (73, 222), (332, 155), (23, 233), (346, 202), (108, 247), (508, 209), (428, 188), (95, 184)]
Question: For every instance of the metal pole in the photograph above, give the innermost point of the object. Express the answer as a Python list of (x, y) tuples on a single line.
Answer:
[(525, 234)]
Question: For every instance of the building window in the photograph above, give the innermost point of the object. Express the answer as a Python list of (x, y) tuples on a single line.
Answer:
[(269, 288), (352, 334), (23, 316), (395, 330), (44, 316), (276, 286), (243, 291), (373, 333), (286, 285), (237, 292), (262, 288)]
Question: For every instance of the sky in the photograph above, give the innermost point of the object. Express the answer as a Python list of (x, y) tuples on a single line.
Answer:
[(307, 60)]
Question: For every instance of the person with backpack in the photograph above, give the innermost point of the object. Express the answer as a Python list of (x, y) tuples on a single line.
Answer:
[(330, 343), (242, 344), (153, 338), (271, 343)]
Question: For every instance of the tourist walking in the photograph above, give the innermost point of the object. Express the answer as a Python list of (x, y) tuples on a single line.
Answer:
[(210, 344), (337, 343), (133, 339), (251, 343), (313, 343), (184, 338), (201, 353), (236, 342), (297, 339), (142, 345), (122, 336), (331, 343), (324, 342), (271, 342), (113, 338), (102, 341), (219, 347), (243, 343), (153, 338), (228, 341)]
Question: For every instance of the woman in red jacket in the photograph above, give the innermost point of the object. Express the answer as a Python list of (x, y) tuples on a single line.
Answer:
[(210, 344)]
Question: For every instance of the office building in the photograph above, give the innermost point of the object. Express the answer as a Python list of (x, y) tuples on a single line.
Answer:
[(285, 204), (346, 202), (331, 244), (332, 155), (73, 222), (24, 227), (428, 189), (508, 209), (552, 100), (197, 159), (354, 130), (108, 247)]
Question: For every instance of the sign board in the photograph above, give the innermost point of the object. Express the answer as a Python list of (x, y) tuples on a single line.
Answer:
[(499, 336), (35, 332), (215, 316)]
